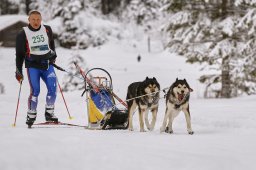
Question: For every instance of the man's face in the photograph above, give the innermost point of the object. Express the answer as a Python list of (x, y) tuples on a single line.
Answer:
[(35, 20)]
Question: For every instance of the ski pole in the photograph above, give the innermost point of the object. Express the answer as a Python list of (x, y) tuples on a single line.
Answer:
[(62, 69), (64, 100), (58, 67), (84, 77), (18, 103)]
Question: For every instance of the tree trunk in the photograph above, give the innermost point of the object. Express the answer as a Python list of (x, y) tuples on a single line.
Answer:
[(108, 6), (27, 3), (225, 78), (105, 6), (223, 12)]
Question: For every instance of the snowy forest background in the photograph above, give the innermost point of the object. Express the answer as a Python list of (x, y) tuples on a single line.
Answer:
[(217, 34)]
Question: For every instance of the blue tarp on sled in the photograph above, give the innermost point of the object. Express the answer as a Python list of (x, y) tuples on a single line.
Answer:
[(102, 100)]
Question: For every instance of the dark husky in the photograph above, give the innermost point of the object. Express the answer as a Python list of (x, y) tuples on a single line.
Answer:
[(145, 96), (177, 99)]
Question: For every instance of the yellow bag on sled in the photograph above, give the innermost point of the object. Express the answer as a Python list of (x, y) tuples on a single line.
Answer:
[(94, 114)]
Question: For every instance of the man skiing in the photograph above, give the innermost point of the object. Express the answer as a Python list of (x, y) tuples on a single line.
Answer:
[(35, 46)]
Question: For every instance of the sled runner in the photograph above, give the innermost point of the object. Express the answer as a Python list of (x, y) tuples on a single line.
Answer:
[(100, 99)]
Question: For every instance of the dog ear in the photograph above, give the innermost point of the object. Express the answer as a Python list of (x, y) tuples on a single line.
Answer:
[(177, 79), (147, 78), (190, 89), (154, 78)]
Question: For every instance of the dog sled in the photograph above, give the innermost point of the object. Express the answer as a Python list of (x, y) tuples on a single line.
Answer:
[(102, 110)]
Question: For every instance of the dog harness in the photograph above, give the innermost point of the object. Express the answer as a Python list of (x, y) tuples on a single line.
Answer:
[(155, 100), (177, 102)]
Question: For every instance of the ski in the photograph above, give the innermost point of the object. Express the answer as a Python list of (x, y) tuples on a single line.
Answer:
[(57, 123)]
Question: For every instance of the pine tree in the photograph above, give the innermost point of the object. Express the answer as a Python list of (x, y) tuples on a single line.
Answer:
[(76, 33), (68, 38), (208, 33), (110, 6), (71, 80), (9, 7), (143, 12)]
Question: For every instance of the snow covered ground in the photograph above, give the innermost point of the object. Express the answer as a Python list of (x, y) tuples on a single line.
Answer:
[(224, 139)]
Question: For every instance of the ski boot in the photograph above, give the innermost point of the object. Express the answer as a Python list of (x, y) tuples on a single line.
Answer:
[(31, 117), (49, 114)]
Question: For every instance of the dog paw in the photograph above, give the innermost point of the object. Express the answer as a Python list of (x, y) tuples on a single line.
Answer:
[(167, 130), (130, 129), (191, 132), (142, 130), (150, 129), (162, 129)]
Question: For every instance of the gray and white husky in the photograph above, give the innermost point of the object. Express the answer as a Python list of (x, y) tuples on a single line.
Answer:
[(145, 96), (177, 100)]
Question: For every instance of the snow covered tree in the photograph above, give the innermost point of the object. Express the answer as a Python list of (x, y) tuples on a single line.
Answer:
[(68, 37), (110, 6), (77, 31), (9, 7), (71, 80), (143, 12), (246, 50), (210, 33), (74, 80)]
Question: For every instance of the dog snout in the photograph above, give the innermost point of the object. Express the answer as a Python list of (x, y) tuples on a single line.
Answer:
[(182, 91)]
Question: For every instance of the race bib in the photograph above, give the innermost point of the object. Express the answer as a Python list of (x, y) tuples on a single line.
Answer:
[(37, 40)]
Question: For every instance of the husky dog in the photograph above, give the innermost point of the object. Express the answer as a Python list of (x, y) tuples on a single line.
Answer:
[(177, 99), (145, 96)]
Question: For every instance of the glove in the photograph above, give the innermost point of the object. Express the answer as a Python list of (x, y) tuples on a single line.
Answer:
[(53, 57), (19, 76), (52, 61)]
